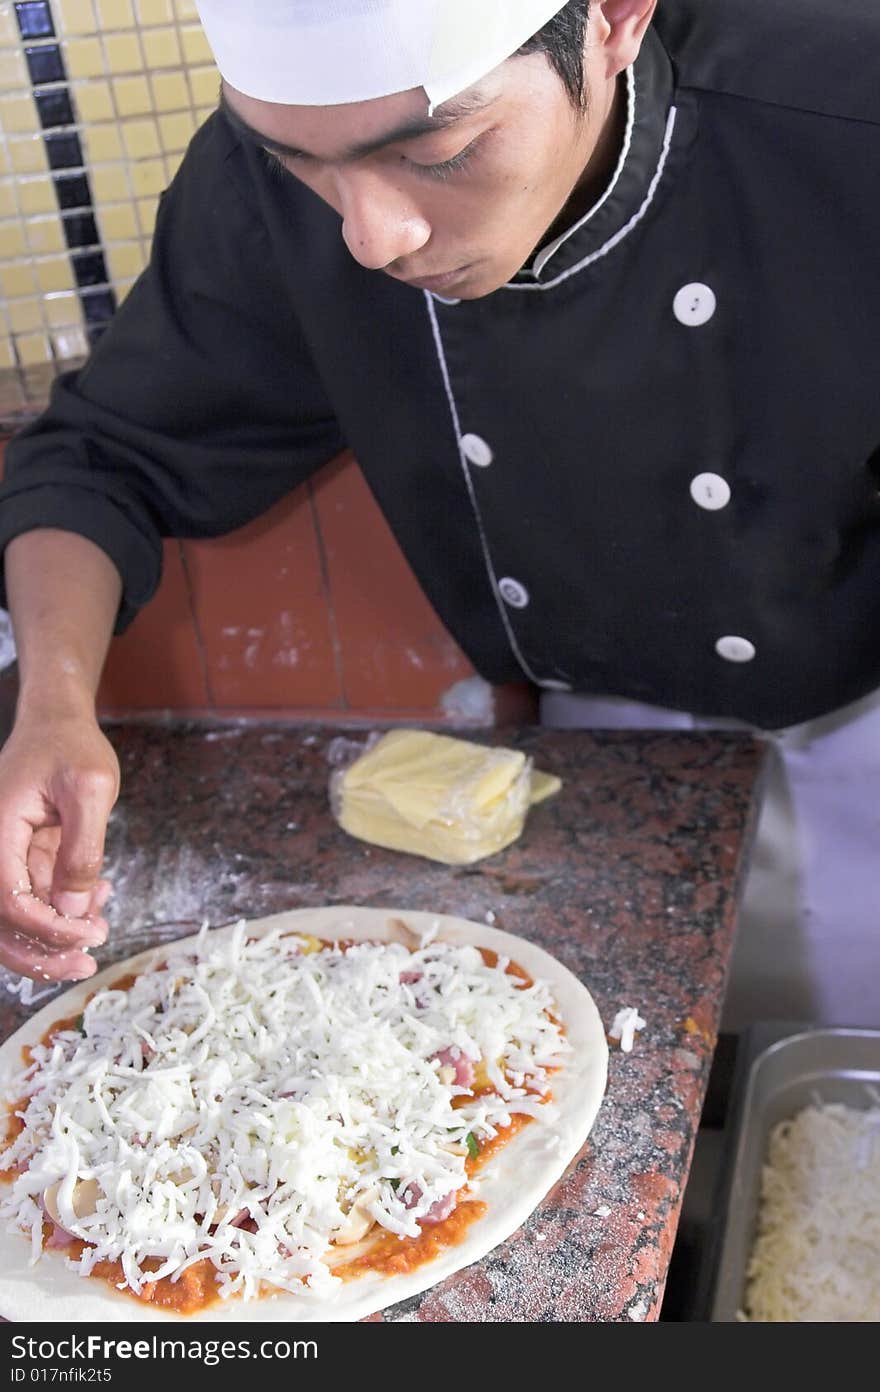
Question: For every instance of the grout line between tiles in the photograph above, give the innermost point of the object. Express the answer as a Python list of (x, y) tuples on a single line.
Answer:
[(324, 563), (197, 628)]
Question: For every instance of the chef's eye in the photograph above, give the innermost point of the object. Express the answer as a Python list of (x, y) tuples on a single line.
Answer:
[(450, 166)]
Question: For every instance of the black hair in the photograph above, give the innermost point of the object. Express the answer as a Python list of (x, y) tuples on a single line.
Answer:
[(562, 39)]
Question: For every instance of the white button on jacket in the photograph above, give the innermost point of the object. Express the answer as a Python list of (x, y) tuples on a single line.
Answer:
[(694, 304), (513, 593), (476, 451), (735, 649), (710, 491)]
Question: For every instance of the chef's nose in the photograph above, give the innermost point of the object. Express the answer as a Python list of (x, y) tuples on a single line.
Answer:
[(379, 222)]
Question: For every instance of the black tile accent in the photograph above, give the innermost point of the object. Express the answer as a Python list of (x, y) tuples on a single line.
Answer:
[(89, 268), (72, 191), (45, 64), (99, 306), (80, 230), (35, 20), (55, 107), (64, 153), (63, 150)]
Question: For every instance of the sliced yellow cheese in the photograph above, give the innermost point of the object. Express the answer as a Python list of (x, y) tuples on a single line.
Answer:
[(544, 785), (448, 799)]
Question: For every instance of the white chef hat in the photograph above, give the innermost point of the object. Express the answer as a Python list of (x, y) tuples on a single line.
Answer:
[(325, 52)]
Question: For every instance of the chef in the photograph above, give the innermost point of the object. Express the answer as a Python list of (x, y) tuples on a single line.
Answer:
[(591, 291)]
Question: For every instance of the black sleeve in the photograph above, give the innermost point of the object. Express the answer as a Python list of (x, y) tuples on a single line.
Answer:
[(198, 408)]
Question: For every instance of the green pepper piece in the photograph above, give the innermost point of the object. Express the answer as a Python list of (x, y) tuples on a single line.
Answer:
[(470, 1141)]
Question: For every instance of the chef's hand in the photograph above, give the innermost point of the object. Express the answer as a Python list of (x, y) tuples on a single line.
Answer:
[(59, 779)]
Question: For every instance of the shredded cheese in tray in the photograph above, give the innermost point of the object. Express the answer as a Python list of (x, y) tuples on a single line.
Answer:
[(816, 1256)]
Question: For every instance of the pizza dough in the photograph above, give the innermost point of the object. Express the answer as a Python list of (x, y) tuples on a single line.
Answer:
[(512, 1184)]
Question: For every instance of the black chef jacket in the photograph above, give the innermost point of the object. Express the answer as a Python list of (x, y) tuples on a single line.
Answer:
[(647, 466)]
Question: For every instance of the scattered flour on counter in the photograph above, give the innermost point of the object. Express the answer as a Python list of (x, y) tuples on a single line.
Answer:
[(178, 882), (28, 991), (624, 1027)]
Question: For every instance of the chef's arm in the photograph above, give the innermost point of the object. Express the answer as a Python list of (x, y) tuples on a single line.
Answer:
[(200, 405), (198, 408), (59, 776)]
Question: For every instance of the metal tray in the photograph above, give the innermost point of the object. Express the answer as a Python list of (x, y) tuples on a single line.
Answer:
[(828, 1065)]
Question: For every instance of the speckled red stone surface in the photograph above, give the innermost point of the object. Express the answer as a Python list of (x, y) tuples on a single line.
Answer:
[(629, 877)]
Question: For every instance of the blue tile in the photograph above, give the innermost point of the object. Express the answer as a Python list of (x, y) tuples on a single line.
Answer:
[(35, 20), (54, 107), (72, 191), (99, 306), (80, 230), (64, 151), (89, 268), (45, 64)]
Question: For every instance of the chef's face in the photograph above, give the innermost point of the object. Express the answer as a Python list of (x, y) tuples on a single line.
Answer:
[(455, 203)]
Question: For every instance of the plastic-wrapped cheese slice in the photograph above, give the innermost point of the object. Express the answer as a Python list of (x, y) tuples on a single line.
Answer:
[(448, 799)]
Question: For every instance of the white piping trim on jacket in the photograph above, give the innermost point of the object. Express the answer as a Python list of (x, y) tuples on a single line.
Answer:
[(450, 396), (544, 256), (618, 236)]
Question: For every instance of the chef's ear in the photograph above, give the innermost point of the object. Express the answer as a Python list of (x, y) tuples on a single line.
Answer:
[(617, 28)]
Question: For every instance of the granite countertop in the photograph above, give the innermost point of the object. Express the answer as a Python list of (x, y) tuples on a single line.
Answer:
[(629, 877)]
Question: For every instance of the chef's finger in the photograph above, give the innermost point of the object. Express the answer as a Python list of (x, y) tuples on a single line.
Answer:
[(102, 892), (83, 808), (20, 909), (48, 930), (22, 957), (38, 923), (41, 865)]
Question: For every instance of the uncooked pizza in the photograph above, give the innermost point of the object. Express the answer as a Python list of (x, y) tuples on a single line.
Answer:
[(308, 1117)]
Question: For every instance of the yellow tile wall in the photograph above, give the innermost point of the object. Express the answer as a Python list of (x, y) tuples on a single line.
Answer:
[(141, 80)]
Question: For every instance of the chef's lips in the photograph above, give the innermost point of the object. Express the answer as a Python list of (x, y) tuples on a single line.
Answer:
[(327, 52)]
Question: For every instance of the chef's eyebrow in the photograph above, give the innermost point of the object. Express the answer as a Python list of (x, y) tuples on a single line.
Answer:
[(447, 115)]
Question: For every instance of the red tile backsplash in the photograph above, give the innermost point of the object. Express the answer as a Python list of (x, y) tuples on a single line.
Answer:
[(262, 612), (310, 611), (396, 651), (156, 664)]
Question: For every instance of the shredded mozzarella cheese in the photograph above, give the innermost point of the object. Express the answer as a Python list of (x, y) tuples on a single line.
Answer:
[(236, 1103), (624, 1027), (817, 1252)]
